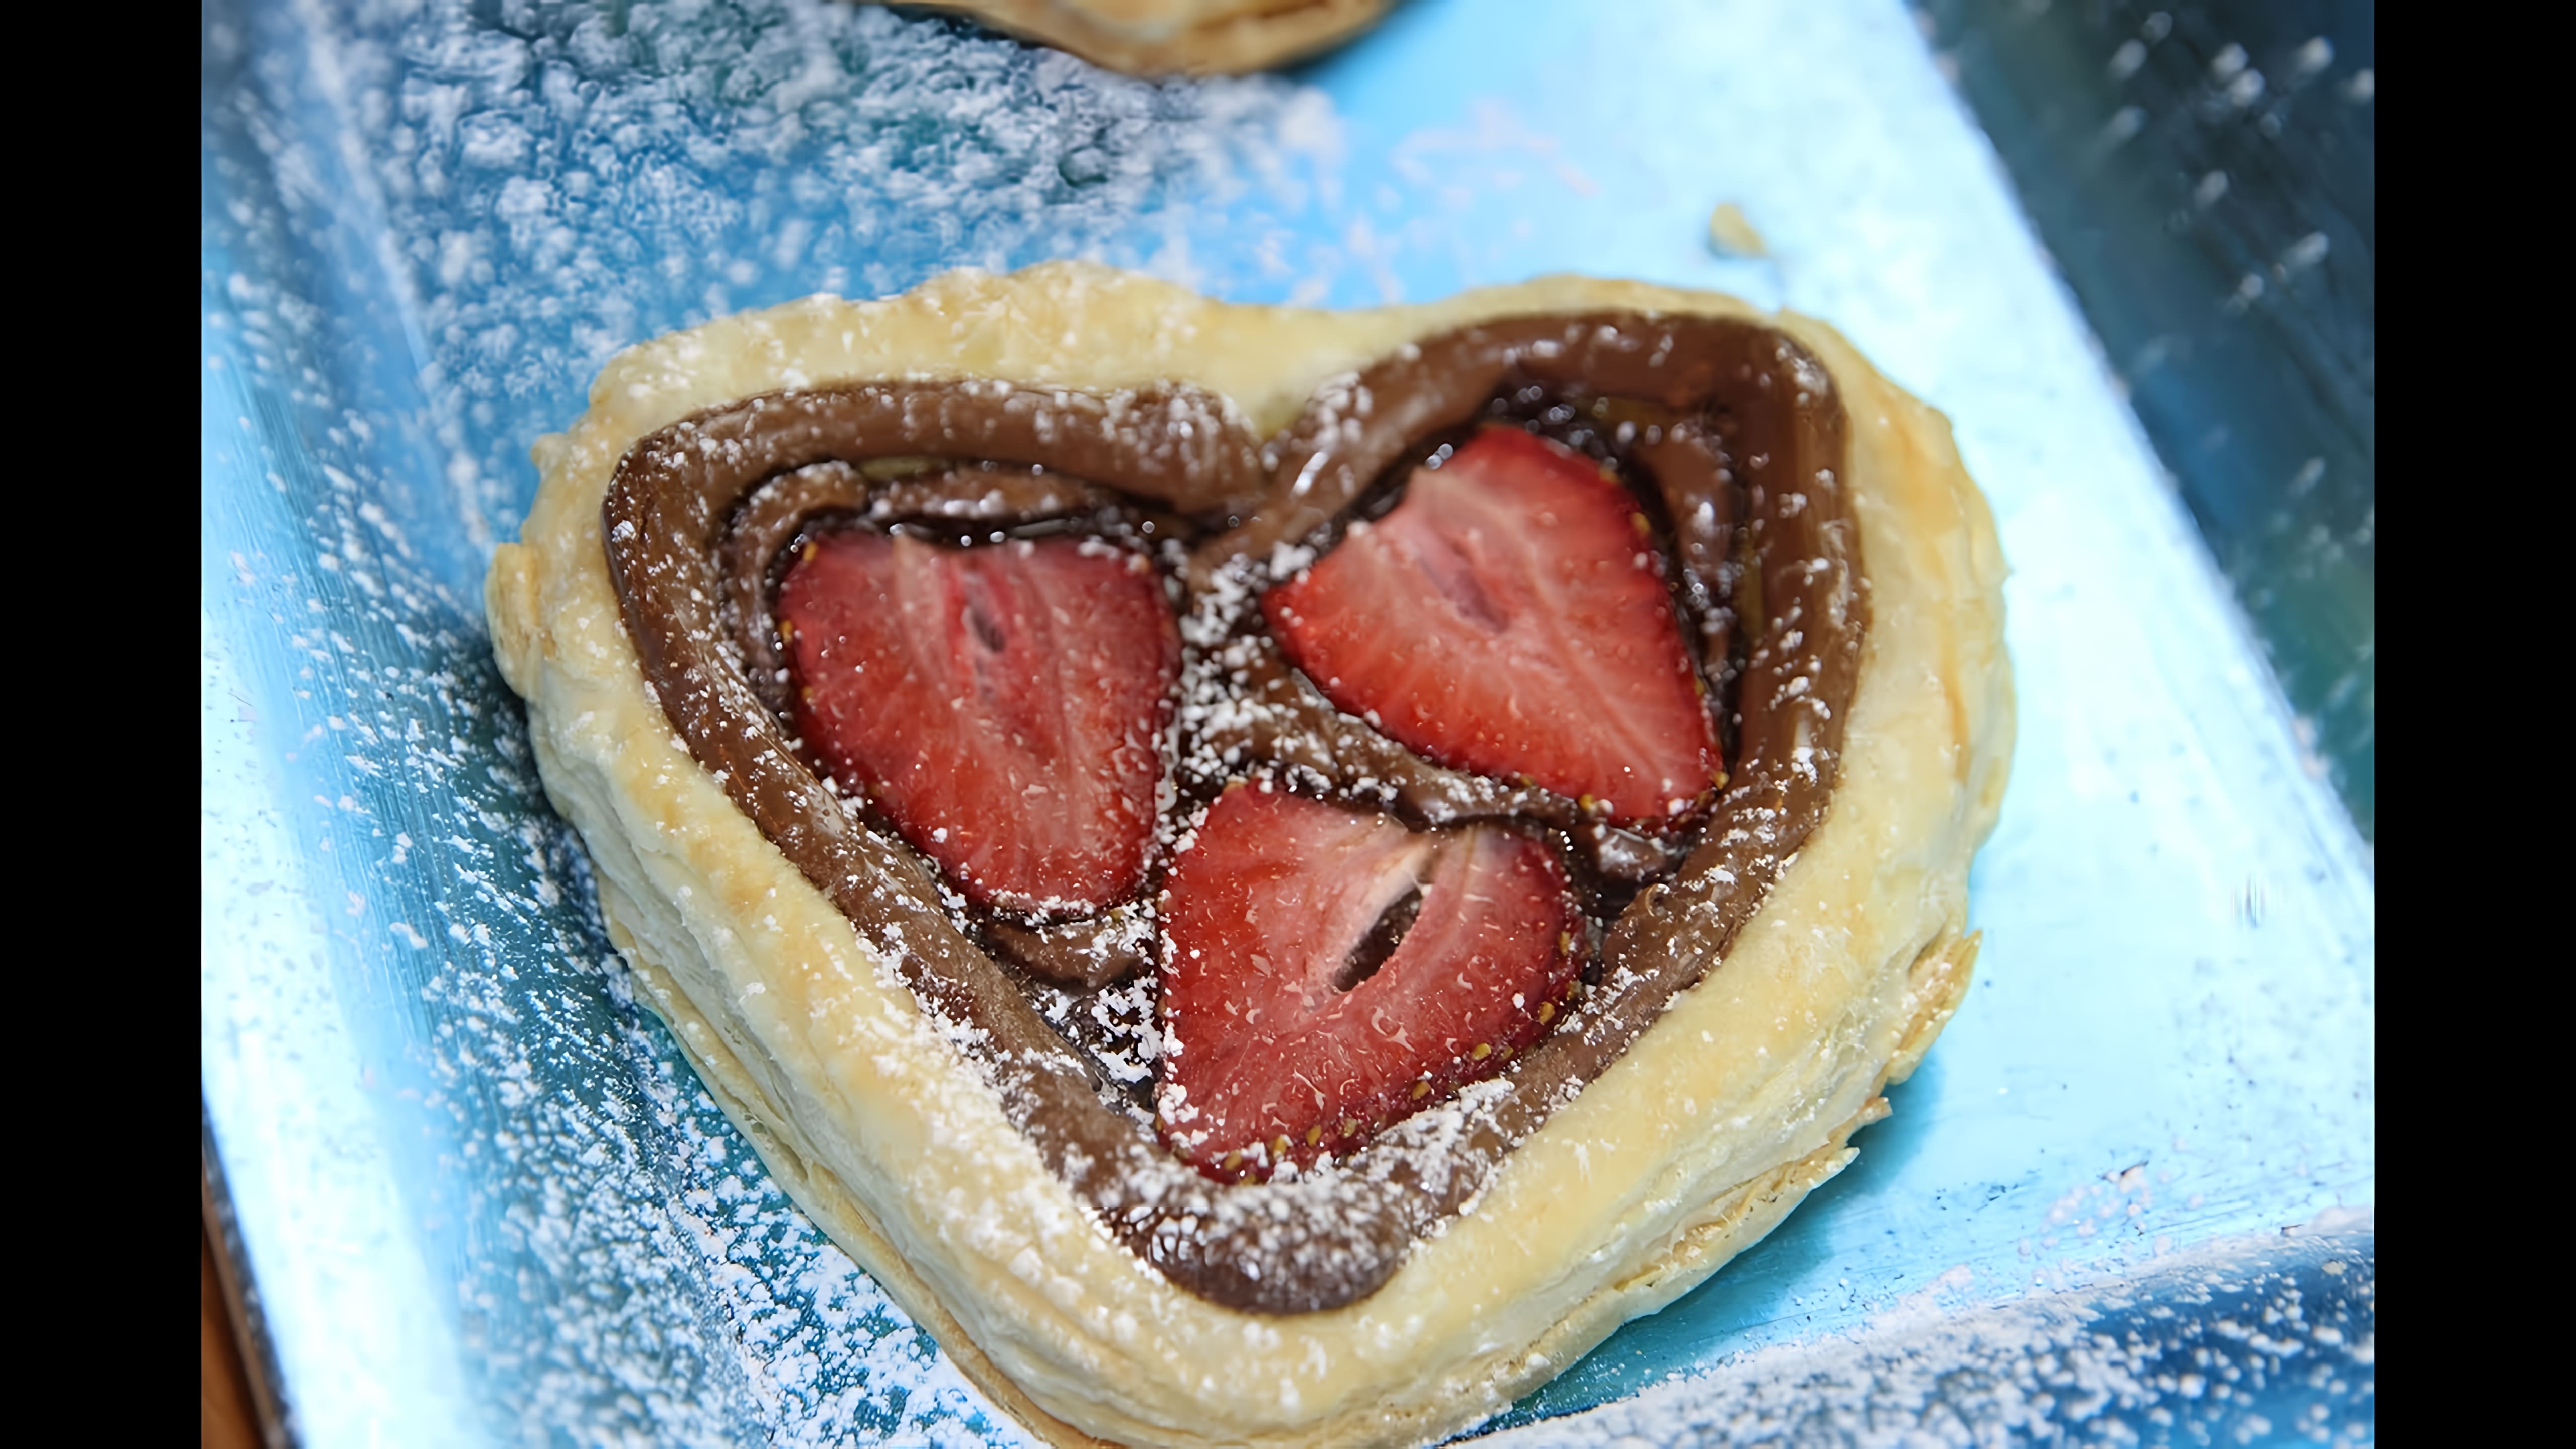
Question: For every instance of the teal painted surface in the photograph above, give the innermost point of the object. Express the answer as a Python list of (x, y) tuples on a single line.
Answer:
[(482, 1197), (2205, 176)]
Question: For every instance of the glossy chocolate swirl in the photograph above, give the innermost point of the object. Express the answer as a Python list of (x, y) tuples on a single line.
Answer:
[(1729, 426)]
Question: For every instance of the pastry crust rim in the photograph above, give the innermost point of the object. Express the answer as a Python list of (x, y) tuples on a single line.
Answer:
[(1675, 1214), (1193, 37)]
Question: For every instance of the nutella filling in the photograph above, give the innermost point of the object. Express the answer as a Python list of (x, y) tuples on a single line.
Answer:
[(1728, 430)]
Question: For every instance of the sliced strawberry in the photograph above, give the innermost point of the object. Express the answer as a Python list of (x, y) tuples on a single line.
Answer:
[(1281, 1042), (1509, 617), (1002, 706)]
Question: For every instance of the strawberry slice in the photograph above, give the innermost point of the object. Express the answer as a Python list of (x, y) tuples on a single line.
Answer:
[(1509, 618), (1291, 1028), (1002, 706)]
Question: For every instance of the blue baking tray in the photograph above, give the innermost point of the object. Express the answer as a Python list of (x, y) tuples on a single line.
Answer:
[(477, 1195), (2202, 172)]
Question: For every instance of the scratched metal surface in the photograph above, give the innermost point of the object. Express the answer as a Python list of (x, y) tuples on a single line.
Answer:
[(480, 1197)]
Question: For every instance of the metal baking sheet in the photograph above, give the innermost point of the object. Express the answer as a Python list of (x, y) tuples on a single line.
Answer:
[(480, 1197)]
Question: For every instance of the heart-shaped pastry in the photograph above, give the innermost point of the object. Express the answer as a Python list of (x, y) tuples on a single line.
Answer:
[(1274, 875)]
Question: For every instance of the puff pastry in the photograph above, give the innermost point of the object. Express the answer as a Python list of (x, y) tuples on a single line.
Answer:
[(1751, 1002), (1162, 37)]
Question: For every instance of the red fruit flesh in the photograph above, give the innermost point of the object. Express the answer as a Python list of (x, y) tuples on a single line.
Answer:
[(1003, 706), (1509, 617), (1268, 1056)]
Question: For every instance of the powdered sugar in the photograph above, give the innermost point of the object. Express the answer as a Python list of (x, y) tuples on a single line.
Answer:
[(2243, 1341), (1913, 252), (569, 181)]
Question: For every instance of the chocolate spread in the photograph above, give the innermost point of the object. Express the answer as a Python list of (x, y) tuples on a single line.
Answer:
[(1727, 429)]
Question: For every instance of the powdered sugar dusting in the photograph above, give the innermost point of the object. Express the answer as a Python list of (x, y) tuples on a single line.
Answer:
[(2243, 1341), (825, 1356), (603, 1258), (563, 181), (278, 370)]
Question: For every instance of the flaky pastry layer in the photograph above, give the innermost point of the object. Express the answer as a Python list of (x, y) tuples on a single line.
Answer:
[(1715, 1122), (1164, 37)]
